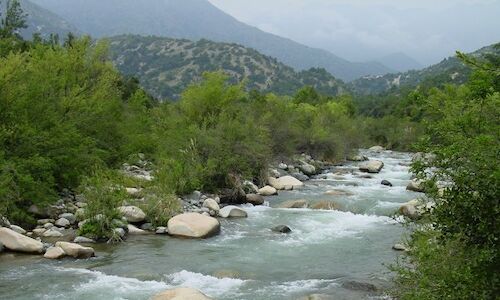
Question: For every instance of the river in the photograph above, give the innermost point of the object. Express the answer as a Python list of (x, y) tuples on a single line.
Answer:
[(324, 250)]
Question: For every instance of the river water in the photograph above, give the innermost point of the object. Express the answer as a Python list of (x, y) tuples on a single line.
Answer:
[(324, 250)]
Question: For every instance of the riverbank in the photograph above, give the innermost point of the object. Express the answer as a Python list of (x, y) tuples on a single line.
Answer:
[(335, 253)]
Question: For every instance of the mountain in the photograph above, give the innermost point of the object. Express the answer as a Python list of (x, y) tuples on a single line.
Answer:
[(44, 22), (450, 70), (199, 19), (166, 66), (400, 62)]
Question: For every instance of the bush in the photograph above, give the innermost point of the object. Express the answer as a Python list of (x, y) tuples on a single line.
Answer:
[(103, 196)]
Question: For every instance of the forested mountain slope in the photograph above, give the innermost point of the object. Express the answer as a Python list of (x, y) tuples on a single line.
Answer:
[(167, 66)]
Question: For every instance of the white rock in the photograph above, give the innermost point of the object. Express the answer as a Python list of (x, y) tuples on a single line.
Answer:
[(232, 211), (54, 253), (268, 191), (285, 183), (120, 231), (133, 213), (62, 222), (377, 149), (307, 169), (83, 240), (282, 166), (399, 247), (416, 185), (18, 229), (18, 242), (68, 216), (294, 204), (39, 231), (48, 225), (371, 166), (52, 233), (193, 225), (75, 250), (135, 231), (161, 230), (211, 204), (181, 294)]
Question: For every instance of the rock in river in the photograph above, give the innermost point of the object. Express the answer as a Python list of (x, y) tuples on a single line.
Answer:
[(371, 166), (268, 191), (281, 229), (18, 242), (193, 225), (294, 204), (416, 186), (255, 199), (386, 183), (54, 253), (285, 183), (181, 294), (75, 250), (232, 211), (132, 230)]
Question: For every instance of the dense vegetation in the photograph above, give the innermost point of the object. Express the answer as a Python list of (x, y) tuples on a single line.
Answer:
[(165, 67), (66, 113), (454, 253)]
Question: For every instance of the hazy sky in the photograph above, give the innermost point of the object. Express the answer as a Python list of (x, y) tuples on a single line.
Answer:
[(427, 30)]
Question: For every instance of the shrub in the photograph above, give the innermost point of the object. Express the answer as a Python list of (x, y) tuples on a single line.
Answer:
[(103, 196)]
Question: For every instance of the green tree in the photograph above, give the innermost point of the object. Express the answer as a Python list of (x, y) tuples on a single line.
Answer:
[(14, 19)]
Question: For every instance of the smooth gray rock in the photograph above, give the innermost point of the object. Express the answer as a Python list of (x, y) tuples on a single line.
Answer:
[(83, 240)]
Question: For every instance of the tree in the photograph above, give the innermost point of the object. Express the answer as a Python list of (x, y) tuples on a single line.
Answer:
[(14, 20)]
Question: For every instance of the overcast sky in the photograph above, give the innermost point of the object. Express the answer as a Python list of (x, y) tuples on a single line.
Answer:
[(358, 30)]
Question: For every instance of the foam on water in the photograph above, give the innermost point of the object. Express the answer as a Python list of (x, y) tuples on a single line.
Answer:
[(210, 285)]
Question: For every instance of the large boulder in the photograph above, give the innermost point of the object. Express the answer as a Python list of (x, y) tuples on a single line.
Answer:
[(232, 211), (17, 242), (285, 183), (371, 166), (307, 169), (75, 250), (416, 186), (255, 199), (133, 214), (377, 149), (294, 204), (54, 253), (193, 225), (181, 294), (268, 191)]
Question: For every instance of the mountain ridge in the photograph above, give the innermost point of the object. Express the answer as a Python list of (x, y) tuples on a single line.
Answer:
[(166, 66), (173, 18)]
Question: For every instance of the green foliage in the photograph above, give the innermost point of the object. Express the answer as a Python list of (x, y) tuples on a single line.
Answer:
[(60, 110), (160, 205), (13, 21), (444, 269), (103, 196), (457, 258)]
